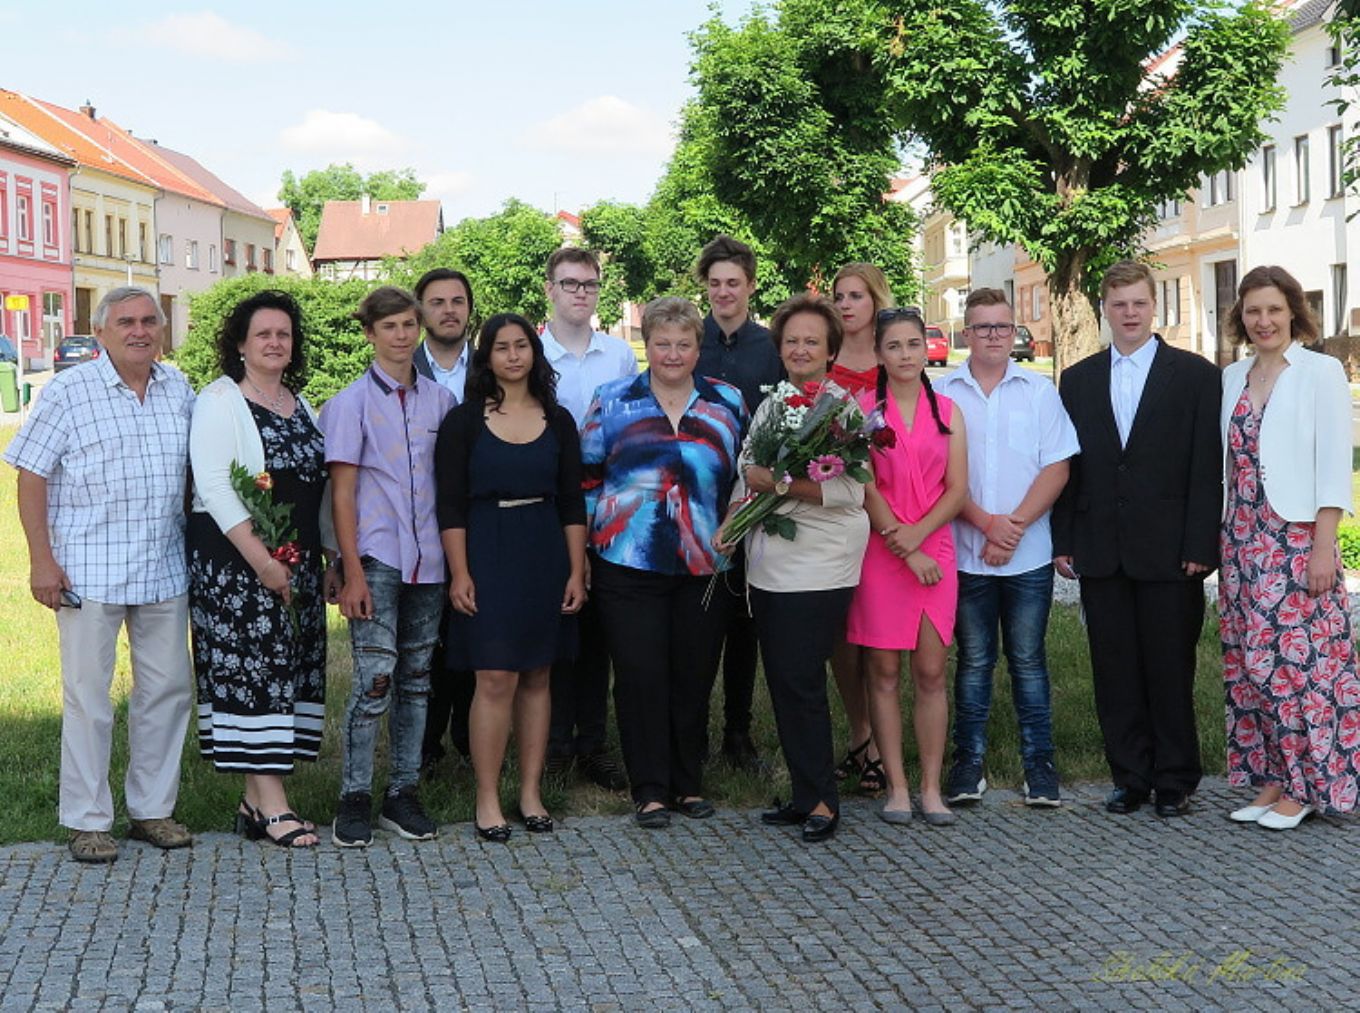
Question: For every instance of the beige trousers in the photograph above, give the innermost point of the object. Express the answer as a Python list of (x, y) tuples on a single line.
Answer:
[(158, 708)]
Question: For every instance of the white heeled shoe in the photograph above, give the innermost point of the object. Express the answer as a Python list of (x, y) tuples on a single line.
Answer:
[(1250, 813), (1275, 821)]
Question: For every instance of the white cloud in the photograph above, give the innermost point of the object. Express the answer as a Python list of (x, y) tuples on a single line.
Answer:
[(207, 34), (344, 137), (444, 186), (605, 125)]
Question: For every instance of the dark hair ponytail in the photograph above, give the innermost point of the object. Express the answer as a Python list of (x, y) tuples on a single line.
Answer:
[(934, 404)]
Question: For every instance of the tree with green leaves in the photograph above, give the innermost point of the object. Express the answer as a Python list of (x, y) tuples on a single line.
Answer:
[(307, 196), (504, 256), (1057, 126)]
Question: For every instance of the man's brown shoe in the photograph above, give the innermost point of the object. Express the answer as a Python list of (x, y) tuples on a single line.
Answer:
[(93, 846), (164, 833)]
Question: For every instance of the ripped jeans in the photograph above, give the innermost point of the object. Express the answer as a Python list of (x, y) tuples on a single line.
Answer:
[(392, 654)]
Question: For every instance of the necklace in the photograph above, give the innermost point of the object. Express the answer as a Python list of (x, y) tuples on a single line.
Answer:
[(276, 404), (1261, 378)]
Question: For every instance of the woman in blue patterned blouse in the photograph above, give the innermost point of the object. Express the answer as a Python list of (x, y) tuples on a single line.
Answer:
[(660, 455)]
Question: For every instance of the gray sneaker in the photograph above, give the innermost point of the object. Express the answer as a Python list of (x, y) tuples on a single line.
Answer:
[(965, 782)]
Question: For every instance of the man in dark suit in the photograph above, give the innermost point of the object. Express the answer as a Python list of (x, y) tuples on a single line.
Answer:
[(1138, 524)]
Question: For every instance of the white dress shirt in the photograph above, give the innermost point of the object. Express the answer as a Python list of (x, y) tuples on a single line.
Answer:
[(1128, 376), (578, 377), (1013, 434), (455, 379)]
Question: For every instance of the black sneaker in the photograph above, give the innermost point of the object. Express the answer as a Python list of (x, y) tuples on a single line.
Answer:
[(353, 827), (1041, 785), (605, 771), (965, 783), (402, 814)]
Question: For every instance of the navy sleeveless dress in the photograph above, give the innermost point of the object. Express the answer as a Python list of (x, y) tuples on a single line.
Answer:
[(517, 556)]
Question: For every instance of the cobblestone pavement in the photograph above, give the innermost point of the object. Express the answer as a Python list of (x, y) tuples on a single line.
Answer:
[(1011, 908)]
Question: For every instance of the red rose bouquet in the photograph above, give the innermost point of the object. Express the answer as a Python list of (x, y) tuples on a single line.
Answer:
[(273, 522)]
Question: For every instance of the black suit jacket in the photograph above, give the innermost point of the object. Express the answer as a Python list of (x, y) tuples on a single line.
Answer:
[(1149, 506)]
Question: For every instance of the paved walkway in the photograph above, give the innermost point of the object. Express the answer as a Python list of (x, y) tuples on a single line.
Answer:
[(1011, 908)]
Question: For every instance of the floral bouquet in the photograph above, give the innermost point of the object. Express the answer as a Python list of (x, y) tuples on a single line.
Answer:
[(273, 522), (815, 432)]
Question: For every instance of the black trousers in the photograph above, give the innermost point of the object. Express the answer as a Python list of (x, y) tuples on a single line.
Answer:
[(664, 642), (1143, 636), (451, 692), (740, 651), (580, 690), (798, 630)]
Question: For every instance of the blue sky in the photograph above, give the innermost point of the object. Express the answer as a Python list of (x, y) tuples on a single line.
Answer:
[(557, 104)]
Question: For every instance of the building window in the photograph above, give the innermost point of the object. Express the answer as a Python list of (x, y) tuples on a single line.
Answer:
[(141, 242), (1336, 162), (1339, 299), (23, 225), (4, 208), (1268, 178), (49, 214), (250, 256), (108, 235), (191, 254), (1169, 302), (1036, 305), (1218, 188), (122, 238), (1009, 286), (75, 231), (212, 257), (166, 247), (228, 251), (290, 259), (89, 231), (267, 260), (1334, 53), (1301, 169), (1168, 209)]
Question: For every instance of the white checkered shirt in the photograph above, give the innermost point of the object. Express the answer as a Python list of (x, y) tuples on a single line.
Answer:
[(115, 470)]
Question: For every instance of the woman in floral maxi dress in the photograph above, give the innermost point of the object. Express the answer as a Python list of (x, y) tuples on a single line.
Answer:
[(1293, 698)]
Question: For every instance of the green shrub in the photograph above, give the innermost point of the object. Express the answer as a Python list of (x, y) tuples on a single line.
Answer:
[(337, 352), (1348, 537)]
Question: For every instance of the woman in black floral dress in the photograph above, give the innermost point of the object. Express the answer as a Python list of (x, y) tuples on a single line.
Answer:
[(261, 677)]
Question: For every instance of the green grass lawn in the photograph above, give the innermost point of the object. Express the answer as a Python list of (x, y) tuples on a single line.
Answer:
[(30, 717)]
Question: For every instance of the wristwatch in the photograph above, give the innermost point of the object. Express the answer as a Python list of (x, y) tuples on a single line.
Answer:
[(782, 487)]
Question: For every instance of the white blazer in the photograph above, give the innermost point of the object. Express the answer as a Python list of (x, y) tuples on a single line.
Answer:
[(222, 431), (1305, 438)]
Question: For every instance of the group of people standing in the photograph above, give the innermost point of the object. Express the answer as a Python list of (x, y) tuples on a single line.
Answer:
[(501, 521)]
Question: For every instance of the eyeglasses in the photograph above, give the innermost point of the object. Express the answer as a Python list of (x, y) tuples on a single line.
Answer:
[(571, 286), (898, 313), (991, 330)]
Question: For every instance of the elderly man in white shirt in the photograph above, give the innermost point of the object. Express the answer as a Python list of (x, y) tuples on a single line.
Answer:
[(102, 465), (584, 359), (1019, 442)]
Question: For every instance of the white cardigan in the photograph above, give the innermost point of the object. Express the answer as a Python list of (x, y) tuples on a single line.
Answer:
[(1305, 439), (223, 431)]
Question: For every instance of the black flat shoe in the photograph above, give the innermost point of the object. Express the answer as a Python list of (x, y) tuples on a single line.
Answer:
[(695, 808), (819, 827), (783, 815), (652, 819), (1124, 800), (496, 835), (1172, 803), (538, 824)]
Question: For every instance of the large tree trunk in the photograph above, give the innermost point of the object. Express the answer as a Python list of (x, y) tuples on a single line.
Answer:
[(1076, 329)]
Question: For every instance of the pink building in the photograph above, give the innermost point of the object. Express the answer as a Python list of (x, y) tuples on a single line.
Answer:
[(35, 243)]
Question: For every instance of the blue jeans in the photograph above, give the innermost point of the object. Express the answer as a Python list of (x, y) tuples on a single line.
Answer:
[(1019, 605), (392, 653)]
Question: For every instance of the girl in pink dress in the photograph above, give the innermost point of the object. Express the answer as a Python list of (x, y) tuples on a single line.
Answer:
[(908, 588)]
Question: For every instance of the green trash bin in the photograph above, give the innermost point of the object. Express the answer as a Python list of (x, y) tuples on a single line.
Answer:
[(9, 386)]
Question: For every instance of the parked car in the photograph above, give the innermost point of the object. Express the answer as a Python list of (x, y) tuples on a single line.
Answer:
[(7, 352), (1022, 349), (937, 347), (73, 350)]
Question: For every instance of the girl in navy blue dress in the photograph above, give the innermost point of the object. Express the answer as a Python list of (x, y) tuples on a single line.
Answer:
[(512, 518)]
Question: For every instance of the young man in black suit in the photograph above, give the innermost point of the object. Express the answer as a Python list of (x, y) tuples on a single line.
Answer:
[(1138, 525)]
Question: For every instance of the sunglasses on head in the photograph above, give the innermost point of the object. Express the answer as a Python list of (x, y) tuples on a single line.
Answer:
[(899, 313)]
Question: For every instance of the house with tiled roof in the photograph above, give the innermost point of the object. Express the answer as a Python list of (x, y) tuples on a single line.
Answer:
[(247, 228), (290, 252), (355, 236), (113, 213), (35, 247)]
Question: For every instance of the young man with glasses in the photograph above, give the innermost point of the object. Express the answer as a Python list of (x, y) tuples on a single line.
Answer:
[(584, 359), (737, 349), (1019, 443)]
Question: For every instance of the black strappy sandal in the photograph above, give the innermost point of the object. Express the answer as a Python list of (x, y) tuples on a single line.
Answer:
[(873, 778), (854, 760), (288, 840)]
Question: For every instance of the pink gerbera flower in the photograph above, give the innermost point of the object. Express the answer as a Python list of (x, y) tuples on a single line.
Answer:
[(825, 468)]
